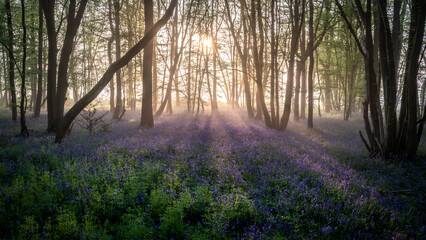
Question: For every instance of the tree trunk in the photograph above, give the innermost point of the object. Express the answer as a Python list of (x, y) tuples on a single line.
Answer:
[(327, 80), (109, 50), (297, 90), (189, 75), (273, 60), (119, 101), (311, 66), (243, 53), (49, 14), (11, 61), (258, 59), (73, 23), (214, 102), (147, 119), (23, 105), (297, 21), (131, 102), (154, 79), (303, 73), (415, 39)]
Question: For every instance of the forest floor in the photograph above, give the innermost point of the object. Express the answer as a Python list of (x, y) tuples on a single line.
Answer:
[(219, 176)]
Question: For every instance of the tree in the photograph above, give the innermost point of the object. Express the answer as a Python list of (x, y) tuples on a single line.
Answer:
[(175, 60), (311, 66), (37, 107), (56, 94), (112, 69), (12, 60), (147, 118), (242, 52), (297, 14), (23, 105), (409, 135), (109, 49), (274, 56), (119, 108), (400, 138), (258, 57)]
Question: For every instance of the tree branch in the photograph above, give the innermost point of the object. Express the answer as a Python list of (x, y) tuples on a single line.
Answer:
[(351, 29)]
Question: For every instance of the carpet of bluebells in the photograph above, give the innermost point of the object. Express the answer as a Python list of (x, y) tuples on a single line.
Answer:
[(219, 176)]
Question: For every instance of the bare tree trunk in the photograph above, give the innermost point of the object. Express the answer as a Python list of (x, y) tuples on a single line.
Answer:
[(234, 80), (327, 92), (388, 73), (273, 60), (410, 78), (175, 39), (311, 66), (303, 73), (297, 20), (189, 74), (37, 107), (243, 53), (319, 83), (297, 90), (73, 23), (154, 79), (131, 101), (147, 119), (214, 100), (258, 59), (110, 41), (119, 102), (23, 105), (11, 61)]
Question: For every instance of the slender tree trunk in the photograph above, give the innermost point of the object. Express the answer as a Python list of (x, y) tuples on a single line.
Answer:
[(119, 102), (303, 73), (234, 80), (189, 74), (258, 59), (154, 79), (109, 50), (214, 102), (297, 90), (311, 66), (319, 83), (147, 118), (415, 41), (175, 39), (131, 103), (388, 73), (327, 79), (243, 53), (11, 61), (49, 11), (197, 73), (296, 27), (23, 105), (396, 32), (73, 23), (273, 60)]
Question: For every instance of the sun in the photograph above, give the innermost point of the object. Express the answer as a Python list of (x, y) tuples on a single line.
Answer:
[(206, 44)]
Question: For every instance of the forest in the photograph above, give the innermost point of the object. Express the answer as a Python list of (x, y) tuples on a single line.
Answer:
[(212, 119)]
